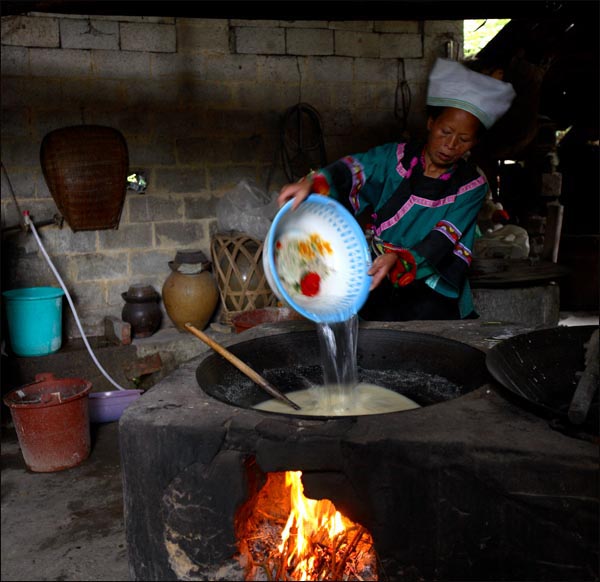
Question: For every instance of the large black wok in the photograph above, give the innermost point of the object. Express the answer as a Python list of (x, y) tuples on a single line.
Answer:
[(542, 368)]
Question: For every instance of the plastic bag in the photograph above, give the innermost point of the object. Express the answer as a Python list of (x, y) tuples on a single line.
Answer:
[(248, 209)]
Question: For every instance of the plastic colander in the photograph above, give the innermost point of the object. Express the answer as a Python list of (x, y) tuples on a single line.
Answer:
[(343, 280)]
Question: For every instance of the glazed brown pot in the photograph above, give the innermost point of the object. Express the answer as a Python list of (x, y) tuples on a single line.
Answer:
[(188, 296)]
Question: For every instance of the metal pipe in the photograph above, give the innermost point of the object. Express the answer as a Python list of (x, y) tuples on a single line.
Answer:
[(57, 220)]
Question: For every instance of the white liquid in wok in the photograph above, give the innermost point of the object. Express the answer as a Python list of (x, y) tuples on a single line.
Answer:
[(332, 400)]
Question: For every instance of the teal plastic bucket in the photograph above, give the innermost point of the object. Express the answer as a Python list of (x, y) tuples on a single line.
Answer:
[(34, 317)]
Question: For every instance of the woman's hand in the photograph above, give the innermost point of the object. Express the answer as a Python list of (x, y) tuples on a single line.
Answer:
[(381, 267), (299, 191)]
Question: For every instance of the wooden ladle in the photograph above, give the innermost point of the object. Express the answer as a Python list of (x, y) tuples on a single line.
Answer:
[(241, 366)]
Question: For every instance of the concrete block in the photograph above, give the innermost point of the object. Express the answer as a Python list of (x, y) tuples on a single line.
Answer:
[(436, 27), (126, 18), (121, 64), (356, 44), (259, 147), (92, 95), (304, 23), (22, 182), (99, 266), (180, 122), (30, 92), (176, 65), (205, 23), (64, 240), (528, 306), (353, 25), (153, 263), (179, 180), (397, 46), (129, 236), (15, 61), (30, 31), (89, 34), (375, 70), (320, 95), (374, 96), (117, 331), (265, 97), (148, 37), (403, 26), (309, 41), (20, 152), (339, 122), (200, 207), (226, 177), (202, 37), (416, 70), (235, 22), (200, 150), (327, 69), (259, 41), (176, 234), (147, 208), (60, 63), (276, 69), (230, 122), (142, 155), (88, 295), (230, 68)]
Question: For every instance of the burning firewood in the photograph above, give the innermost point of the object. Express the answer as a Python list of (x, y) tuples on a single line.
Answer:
[(315, 542)]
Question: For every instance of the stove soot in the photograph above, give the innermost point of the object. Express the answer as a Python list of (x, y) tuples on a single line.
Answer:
[(427, 369)]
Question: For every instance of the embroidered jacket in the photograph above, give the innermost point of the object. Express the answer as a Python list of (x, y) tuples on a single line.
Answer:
[(435, 218)]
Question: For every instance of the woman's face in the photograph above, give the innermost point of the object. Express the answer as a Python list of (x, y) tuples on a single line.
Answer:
[(451, 135)]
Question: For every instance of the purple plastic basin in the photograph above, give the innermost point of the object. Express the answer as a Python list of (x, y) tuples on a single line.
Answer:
[(108, 406)]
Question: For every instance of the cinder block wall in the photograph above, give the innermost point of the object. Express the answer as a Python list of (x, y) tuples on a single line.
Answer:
[(199, 102)]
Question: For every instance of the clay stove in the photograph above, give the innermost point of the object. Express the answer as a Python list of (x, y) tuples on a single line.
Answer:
[(470, 486)]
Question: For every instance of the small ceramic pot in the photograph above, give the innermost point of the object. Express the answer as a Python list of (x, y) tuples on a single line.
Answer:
[(141, 310)]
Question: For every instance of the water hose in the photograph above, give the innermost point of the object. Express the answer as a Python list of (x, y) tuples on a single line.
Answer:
[(29, 223)]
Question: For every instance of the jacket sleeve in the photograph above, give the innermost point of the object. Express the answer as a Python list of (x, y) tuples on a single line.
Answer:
[(448, 247), (357, 181)]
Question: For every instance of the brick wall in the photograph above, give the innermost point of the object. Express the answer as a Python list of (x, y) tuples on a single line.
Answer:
[(199, 102)]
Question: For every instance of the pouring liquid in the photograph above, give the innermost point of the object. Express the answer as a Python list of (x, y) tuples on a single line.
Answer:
[(341, 394)]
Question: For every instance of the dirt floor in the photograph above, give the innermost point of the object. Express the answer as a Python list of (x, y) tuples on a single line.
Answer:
[(66, 525)]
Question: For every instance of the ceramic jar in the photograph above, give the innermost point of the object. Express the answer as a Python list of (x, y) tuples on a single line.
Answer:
[(141, 310), (190, 293)]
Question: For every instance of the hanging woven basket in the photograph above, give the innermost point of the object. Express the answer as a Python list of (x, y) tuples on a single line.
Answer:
[(85, 167), (237, 266)]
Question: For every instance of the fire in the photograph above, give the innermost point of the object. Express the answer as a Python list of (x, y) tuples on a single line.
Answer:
[(317, 542)]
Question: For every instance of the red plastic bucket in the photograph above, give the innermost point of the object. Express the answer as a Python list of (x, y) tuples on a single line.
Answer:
[(52, 422)]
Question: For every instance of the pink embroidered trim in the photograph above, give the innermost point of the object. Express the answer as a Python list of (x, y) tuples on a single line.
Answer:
[(399, 167), (471, 185), (462, 252), (448, 230), (416, 200), (358, 178)]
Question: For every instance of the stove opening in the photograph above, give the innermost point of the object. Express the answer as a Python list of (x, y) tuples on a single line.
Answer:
[(283, 535)]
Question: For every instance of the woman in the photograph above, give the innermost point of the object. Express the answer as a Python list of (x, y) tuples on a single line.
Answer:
[(423, 199)]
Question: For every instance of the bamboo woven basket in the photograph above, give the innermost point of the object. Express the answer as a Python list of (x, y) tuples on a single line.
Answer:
[(85, 167), (238, 270)]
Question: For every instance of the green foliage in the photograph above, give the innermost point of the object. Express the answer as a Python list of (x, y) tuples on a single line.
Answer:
[(477, 33)]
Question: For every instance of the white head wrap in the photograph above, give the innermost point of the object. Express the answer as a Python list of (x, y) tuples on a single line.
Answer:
[(454, 85)]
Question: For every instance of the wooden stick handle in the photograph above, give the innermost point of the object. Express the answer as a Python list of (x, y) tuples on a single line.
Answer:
[(241, 366)]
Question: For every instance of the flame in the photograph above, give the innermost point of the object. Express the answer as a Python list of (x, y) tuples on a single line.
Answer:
[(309, 519), (316, 543)]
